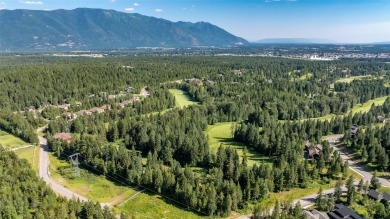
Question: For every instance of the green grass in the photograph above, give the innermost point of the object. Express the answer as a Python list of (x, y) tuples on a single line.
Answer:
[(92, 186), (365, 107), (305, 76), (183, 98), (387, 85), (221, 133), (350, 79), (30, 154), (358, 108), (98, 188), (10, 141), (154, 206)]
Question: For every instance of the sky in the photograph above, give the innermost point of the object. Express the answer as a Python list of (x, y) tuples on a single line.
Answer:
[(342, 21)]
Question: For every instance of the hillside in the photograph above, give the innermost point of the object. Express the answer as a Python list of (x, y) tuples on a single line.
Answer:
[(84, 28)]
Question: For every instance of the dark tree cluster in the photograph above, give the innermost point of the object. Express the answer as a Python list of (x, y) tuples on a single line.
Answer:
[(23, 195)]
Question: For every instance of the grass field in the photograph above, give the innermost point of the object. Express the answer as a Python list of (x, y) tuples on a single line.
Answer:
[(365, 107), (154, 206), (183, 98), (10, 141), (220, 133), (350, 79), (94, 187), (30, 154), (98, 188), (387, 85), (358, 108), (305, 76)]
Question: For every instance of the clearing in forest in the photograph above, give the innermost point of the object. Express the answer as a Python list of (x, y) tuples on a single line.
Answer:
[(182, 98), (358, 108), (305, 76), (92, 186), (10, 141), (120, 196), (221, 133), (31, 154), (146, 205)]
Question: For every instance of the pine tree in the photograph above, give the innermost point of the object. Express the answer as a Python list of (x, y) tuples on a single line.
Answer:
[(338, 190), (375, 184)]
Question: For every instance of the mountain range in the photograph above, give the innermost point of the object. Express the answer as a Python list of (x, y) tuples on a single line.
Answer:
[(294, 41), (85, 28)]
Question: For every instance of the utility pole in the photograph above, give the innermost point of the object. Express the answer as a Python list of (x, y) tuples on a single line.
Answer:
[(74, 158)]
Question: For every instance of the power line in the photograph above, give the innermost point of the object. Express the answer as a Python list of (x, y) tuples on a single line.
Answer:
[(139, 185)]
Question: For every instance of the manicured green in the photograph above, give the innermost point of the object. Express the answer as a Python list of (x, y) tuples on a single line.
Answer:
[(221, 133), (358, 108), (365, 107), (31, 154), (154, 206), (183, 98), (10, 141), (350, 79), (305, 76)]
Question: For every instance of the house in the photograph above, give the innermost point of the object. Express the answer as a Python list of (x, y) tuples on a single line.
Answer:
[(342, 212), (354, 129), (64, 106), (65, 136), (129, 89), (312, 151), (375, 195), (382, 119), (69, 116), (314, 214), (386, 197)]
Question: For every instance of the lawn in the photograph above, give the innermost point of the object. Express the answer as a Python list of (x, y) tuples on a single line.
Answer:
[(365, 107), (305, 76), (183, 98), (154, 206), (221, 133), (387, 85), (358, 108), (31, 154), (10, 141), (350, 79), (92, 186)]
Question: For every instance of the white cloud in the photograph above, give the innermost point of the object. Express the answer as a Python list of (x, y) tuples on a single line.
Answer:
[(32, 2), (2, 5), (112, 1), (158, 10), (136, 4), (129, 9)]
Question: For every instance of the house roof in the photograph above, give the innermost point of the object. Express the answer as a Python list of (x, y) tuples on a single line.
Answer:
[(63, 136), (374, 194), (386, 196), (344, 212)]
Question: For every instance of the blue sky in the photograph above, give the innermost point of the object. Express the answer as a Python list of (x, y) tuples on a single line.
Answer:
[(344, 21)]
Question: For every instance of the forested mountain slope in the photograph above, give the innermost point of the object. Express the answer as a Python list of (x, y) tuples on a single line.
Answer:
[(84, 28)]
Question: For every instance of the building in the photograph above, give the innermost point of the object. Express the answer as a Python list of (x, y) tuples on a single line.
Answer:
[(314, 214), (382, 119), (342, 212), (312, 151), (65, 136), (386, 197), (354, 129), (375, 195)]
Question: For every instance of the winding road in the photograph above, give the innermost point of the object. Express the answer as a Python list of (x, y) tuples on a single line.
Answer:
[(309, 200), (44, 173)]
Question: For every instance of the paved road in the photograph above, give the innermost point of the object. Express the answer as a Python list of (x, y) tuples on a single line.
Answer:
[(309, 200), (356, 167), (45, 175)]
